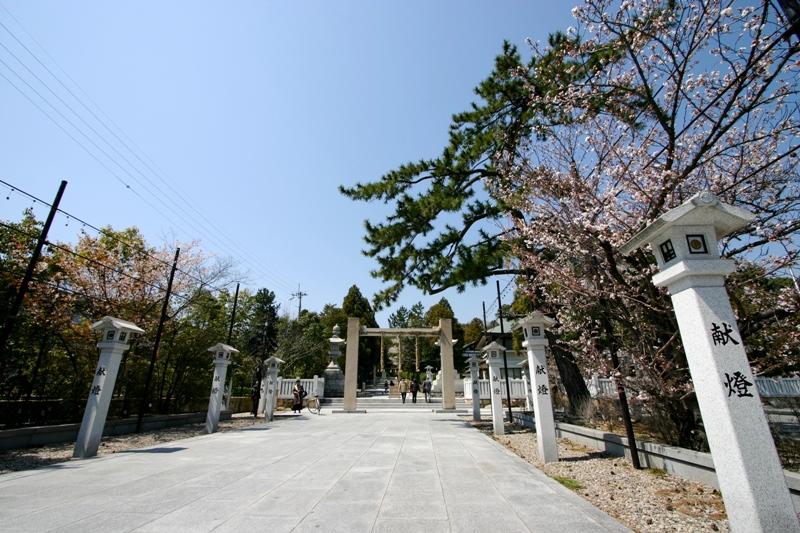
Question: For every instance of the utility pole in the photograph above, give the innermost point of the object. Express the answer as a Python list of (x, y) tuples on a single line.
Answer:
[(230, 336), (505, 359), (299, 295), (484, 316), (159, 331), (13, 311), (233, 315)]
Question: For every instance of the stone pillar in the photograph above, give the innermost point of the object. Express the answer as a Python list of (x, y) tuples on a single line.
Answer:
[(262, 399), (271, 386), (448, 371), (594, 386), (334, 378), (751, 479), (221, 358), (115, 334), (351, 364), (526, 384), (475, 377), (535, 342), (494, 359)]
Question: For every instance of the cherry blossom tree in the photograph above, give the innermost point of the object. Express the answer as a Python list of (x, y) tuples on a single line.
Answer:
[(691, 95)]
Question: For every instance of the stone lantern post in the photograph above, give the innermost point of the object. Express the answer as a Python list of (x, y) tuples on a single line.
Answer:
[(494, 358), (334, 378), (429, 373), (221, 357), (475, 379), (271, 386), (115, 334), (684, 241), (535, 342)]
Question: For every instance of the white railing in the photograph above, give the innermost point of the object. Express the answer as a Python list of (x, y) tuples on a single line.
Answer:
[(517, 389), (315, 385), (767, 387), (601, 387), (778, 387)]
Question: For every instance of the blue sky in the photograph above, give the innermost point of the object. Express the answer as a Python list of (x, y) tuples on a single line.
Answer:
[(252, 112)]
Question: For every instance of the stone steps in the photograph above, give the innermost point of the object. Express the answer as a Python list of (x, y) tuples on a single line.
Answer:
[(387, 404)]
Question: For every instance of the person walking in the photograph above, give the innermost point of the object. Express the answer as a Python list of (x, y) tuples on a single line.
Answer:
[(414, 390), (403, 389), (386, 387), (426, 389)]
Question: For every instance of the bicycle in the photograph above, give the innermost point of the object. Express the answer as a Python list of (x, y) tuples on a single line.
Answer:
[(313, 404)]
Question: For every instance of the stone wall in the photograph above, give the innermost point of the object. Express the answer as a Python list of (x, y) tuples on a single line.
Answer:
[(41, 435)]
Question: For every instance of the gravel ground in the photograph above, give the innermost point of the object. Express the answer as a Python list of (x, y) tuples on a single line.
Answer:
[(30, 458), (643, 500)]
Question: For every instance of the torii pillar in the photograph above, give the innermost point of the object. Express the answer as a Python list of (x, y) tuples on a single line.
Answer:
[(751, 479), (351, 367), (448, 370)]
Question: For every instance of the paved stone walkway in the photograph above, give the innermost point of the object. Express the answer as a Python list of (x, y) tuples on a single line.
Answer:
[(403, 472)]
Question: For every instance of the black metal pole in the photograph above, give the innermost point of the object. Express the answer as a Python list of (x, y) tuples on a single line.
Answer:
[(505, 359), (16, 305), (484, 316), (233, 314), (159, 331), (623, 397), (230, 337)]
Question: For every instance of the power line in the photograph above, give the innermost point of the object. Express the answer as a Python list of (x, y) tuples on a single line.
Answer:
[(116, 238), (502, 293), (52, 245), (209, 226)]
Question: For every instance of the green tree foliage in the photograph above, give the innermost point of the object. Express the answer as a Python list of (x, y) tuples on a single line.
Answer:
[(355, 305), (442, 309), (473, 331), (52, 352), (414, 246), (303, 346)]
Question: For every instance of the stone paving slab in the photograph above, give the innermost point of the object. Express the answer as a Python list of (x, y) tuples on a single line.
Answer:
[(379, 472)]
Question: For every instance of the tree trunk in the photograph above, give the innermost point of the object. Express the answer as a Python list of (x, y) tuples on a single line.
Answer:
[(571, 377)]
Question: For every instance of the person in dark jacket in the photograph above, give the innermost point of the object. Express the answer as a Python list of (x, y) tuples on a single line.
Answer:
[(298, 393), (414, 390)]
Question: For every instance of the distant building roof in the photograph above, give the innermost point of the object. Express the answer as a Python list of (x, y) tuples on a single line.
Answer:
[(508, 325)]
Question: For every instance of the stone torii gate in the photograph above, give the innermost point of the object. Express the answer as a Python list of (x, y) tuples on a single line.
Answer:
[(444, 333)]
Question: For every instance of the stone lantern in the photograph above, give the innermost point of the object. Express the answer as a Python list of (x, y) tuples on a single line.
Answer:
[(334, 377), (475, 381), (335, 351), (493, 353), (535, 342), (685, 243), (221, 357), (271, 386), (115, 334)]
